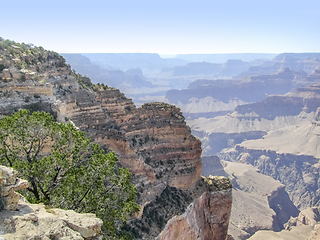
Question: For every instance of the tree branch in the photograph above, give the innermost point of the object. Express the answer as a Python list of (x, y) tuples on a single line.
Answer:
[(43, 192), (55, 179), (86, 193)]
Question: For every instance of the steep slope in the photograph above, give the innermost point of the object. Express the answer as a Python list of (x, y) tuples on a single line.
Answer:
[(153, 141), (258, 202)]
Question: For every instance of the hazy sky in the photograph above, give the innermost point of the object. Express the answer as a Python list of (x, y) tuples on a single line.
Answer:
[(165, 27)]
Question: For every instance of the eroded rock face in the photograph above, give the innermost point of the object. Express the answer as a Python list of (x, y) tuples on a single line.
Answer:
[(259, 201), (9, 183), (306, 226), (153, 141), (21, 220), (173, 202), (299, 173), (206, 218)]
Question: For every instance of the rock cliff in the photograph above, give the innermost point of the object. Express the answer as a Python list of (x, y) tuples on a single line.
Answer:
[(259, 202), (299, 173), (21, 220), (212, 208), (153, 141), (9, 183), (306, 226)]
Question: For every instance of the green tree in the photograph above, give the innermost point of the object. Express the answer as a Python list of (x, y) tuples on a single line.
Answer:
[(65, 169)]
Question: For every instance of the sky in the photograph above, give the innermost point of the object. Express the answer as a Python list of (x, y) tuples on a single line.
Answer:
[(164, 27)]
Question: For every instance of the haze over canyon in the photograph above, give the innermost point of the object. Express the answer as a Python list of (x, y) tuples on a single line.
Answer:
[(220, 146)]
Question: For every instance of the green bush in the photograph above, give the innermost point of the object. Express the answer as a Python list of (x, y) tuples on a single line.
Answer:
[(65, 169)]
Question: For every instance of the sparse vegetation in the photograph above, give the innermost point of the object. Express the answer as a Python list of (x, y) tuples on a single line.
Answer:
[(28, 58), (171, 202), (86, 83)]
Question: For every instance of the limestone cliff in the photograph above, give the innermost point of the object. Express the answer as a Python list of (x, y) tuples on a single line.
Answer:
[(21, 220), (259, 202), (203, 219), (153, 141)]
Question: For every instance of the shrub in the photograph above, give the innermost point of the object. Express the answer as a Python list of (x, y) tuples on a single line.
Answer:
[(65, 169)]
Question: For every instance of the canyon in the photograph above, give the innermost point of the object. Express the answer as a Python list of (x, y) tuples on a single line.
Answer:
[(153, 141), (255, 122), (277, 135)]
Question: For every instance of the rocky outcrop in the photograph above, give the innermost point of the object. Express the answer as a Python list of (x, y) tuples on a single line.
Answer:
[(9, 183), (259, 202), (173, 202), (153, 141), (309, 216), (206, 218), (21, 220)]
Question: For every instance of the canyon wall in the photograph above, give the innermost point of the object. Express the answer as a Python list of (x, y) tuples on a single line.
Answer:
[(299, 173), (153, 141)]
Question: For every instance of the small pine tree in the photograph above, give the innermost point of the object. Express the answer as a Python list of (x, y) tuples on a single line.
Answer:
[(65, 169)]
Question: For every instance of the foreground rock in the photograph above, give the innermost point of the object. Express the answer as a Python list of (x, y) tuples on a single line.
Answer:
[(9, 183), (36, 221)]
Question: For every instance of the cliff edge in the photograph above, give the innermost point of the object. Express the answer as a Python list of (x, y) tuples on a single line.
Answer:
[(22, 220), (153, 141)]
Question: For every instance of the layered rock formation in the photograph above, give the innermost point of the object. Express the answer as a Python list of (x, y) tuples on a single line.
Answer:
[(206, 218), (210, 98), (289, 149), (153, 141), (253, 121), (21, 220), (306, 226), (259, 202)]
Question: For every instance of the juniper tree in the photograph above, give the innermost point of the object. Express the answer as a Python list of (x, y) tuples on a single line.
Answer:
[(65, 169)]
